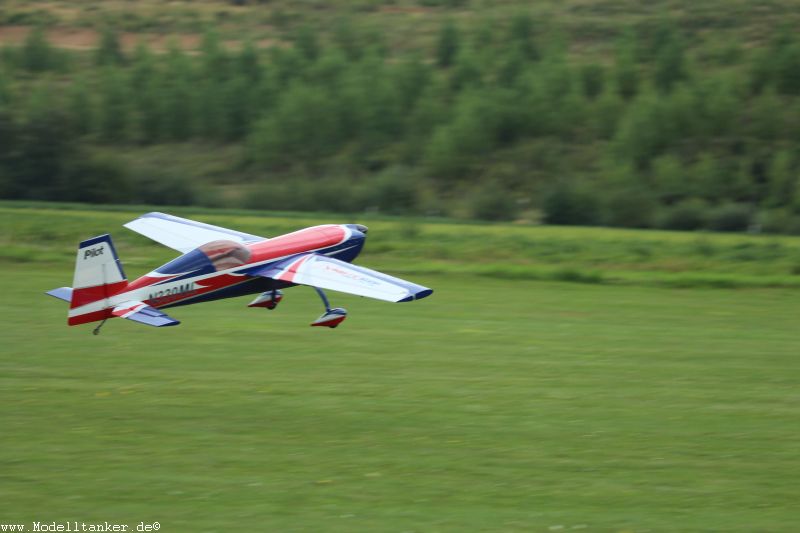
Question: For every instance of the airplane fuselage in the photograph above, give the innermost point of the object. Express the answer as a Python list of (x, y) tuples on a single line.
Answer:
[(221, 269)]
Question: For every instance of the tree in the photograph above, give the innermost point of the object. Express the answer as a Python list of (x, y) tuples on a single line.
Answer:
[(592, 78), (708, 177), (669, 65), (448, 44), (645, 131), (521, 36), (788, 69), (306, 41), (248, 62), (177, 96), (214, 57), (782, 175), (605, 113), (80, 107), (569, 204), (457, 147), (112, 122), (348, 38), (466, 73), (766, 116), (37, 54), (304, 127), (670, 179), (109, 51), (626, 70)]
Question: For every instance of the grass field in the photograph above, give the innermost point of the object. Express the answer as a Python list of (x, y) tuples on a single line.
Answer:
[(494, 405)]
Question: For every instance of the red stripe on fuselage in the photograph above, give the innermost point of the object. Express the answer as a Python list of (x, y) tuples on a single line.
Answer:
[(87, 295), (304, 240), (146, 281), (205, 286)]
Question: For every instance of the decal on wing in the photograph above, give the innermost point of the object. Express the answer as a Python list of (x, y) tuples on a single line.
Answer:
[(141, 312), (183, 234), (327, 273)]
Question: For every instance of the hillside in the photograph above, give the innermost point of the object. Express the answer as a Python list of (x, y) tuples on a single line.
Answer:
[(677, 115)]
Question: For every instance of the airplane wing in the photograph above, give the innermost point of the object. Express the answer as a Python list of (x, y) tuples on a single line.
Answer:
[(183, 234), (327, 273), (143, 313)]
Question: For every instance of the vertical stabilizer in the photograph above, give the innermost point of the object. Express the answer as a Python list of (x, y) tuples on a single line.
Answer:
[(98, 275)]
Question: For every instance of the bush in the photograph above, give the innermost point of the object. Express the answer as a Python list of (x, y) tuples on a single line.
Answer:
[(687, 215), (779, 221), (569, 204), (37, 55), (97, 179), (448, 44), (157, 186), (730, 217), (492, 202), (629, 207), (394, 191), (109, 50)]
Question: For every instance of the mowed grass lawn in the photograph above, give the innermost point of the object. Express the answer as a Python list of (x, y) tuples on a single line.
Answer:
[(494, 405)]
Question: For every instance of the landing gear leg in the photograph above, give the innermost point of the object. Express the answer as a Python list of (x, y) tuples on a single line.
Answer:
[(331, 317), (325, 301), (96, 331), (273, 303)]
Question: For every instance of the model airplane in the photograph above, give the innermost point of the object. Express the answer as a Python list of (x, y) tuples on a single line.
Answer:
[(220, 263)]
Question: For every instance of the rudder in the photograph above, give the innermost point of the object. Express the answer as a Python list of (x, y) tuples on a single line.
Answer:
[(98, 272)]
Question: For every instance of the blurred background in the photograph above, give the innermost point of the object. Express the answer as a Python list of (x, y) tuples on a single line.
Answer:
[(604, 195), (672, 114)]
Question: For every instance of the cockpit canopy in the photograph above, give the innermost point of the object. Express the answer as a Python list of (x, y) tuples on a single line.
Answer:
[(208, 258)]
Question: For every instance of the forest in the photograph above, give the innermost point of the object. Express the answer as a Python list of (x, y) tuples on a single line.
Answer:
[(491, 118)]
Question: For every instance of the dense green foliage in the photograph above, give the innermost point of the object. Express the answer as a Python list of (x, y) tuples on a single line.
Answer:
[(495, 118)]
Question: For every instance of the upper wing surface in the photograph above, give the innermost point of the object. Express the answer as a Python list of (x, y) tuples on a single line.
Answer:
[(327, 273), (183, 234)]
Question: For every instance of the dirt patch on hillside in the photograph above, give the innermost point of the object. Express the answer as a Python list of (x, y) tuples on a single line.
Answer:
[(87, 39)]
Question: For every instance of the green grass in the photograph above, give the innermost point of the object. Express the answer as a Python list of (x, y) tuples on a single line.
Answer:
[(38, 232), (494, 405)]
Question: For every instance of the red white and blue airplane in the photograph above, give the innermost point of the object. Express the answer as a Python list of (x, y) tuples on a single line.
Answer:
[(221, 263)]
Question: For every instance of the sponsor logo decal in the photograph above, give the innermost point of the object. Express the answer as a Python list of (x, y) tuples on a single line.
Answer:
[(93, 252), (168, 293)]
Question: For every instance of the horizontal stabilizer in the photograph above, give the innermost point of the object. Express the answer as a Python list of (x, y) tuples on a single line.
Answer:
[(141, 312), (62, 293), (328, 273), (183, 234)]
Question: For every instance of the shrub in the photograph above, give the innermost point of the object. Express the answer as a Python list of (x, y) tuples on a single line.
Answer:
[(492, 202), (448, 44), (97, 179), (394, 191), (779, 221), (592, 80), (37, 54), (109, 51), (730, 217), (687, 215), (569, 204), (629, 207), (158, 186)]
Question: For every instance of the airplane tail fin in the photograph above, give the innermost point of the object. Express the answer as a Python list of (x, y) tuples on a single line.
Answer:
[(98, 275)]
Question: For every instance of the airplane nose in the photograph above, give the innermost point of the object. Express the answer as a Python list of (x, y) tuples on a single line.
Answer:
[(359, 227)]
